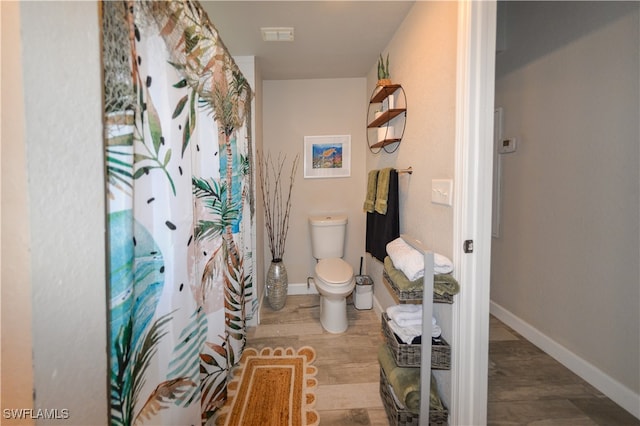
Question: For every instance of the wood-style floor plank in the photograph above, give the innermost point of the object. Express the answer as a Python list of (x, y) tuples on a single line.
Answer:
[(526, 386), (348, 370)]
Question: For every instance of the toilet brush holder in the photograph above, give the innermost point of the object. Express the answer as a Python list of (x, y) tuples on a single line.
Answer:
[(363, 294)]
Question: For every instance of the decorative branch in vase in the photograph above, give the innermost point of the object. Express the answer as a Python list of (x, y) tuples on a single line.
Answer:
[(277, 210)]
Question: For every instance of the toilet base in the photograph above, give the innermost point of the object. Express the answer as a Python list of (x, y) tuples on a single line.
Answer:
[(333, 314)]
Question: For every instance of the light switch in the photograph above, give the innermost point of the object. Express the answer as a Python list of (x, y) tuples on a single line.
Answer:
[(442, 191)]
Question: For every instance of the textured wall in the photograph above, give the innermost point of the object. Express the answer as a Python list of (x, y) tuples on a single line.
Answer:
[(567, 259), (294, 109), (422, 56), (63, 115), (17, 374)]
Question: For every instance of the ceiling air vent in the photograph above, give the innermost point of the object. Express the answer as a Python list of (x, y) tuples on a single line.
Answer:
[(277, 33)]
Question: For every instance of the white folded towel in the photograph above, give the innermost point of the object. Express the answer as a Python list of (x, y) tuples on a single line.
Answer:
[(406, 258), (403, 313), (406, 308), (406, 334), (441, 264), (411, 262), (408, 317), (436, 331), (411, 322)]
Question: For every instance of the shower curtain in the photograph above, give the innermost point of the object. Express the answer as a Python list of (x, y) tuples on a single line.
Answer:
[(180, 226)]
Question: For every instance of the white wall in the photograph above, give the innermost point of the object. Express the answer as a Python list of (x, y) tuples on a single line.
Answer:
[(292, 110), (17, 375), (63, 137), (567, 260), (422, 56)]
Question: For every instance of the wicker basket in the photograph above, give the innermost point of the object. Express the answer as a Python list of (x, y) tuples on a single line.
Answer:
[(414, 295), (408, 355), (400, 416)]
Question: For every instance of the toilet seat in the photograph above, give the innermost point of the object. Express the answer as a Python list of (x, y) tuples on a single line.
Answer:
[(335, 281), (334, 271)]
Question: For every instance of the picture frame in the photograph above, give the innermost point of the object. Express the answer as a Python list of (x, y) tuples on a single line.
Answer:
[(327, 156)]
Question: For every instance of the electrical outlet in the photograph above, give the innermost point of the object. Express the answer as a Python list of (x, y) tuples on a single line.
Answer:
[(442, 191)]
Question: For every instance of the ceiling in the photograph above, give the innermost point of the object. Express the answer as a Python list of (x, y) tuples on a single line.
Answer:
[(332, 39)]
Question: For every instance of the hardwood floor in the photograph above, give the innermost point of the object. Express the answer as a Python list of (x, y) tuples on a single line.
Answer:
[(348, 369), (526, 386)]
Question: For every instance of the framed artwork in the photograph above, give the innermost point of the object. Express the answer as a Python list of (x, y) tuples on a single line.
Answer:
[(327, 156)]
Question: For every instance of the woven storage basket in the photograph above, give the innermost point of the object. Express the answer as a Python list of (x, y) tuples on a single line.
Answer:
[(407, 355), (414, 295), (400, 416)]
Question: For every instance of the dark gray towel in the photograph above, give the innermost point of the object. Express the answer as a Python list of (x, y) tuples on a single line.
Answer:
[(384, 228)]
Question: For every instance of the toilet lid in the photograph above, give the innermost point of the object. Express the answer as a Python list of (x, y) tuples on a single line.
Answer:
[(334, 271)]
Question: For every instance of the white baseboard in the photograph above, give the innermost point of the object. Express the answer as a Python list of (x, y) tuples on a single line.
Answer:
[(377, 307), (301, 288), (255, 319), (616, 391)]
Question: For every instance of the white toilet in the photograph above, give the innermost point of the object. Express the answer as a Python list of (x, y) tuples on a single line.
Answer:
[(333, 276)]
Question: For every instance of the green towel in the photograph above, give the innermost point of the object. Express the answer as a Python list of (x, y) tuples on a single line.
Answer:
[(371, 191), (435, 403), (442, 283), (445, 284), (382, 190), (405, 381), (399, 278)]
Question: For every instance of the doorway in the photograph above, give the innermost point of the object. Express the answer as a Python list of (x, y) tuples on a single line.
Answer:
[(570, 212)]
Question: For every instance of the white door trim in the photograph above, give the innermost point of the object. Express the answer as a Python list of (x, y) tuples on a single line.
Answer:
[(472, 208)]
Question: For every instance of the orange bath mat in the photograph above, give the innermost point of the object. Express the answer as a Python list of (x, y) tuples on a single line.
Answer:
[(272, 387)]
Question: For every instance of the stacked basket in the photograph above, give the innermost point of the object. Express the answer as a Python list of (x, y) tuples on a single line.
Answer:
[(408, 355), (399, 416)]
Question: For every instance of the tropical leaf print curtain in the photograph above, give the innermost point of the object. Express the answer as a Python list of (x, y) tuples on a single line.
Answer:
[(179, 211)]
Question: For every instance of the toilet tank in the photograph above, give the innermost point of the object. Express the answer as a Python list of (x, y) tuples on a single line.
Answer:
[(327, 236)]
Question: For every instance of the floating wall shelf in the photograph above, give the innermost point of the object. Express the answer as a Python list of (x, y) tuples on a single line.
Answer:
[(390, 101)]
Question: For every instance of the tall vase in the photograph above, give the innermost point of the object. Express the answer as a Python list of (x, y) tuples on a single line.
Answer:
[(277, 284)]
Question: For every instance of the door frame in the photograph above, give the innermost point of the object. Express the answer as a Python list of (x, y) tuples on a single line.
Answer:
[(472, 208)]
